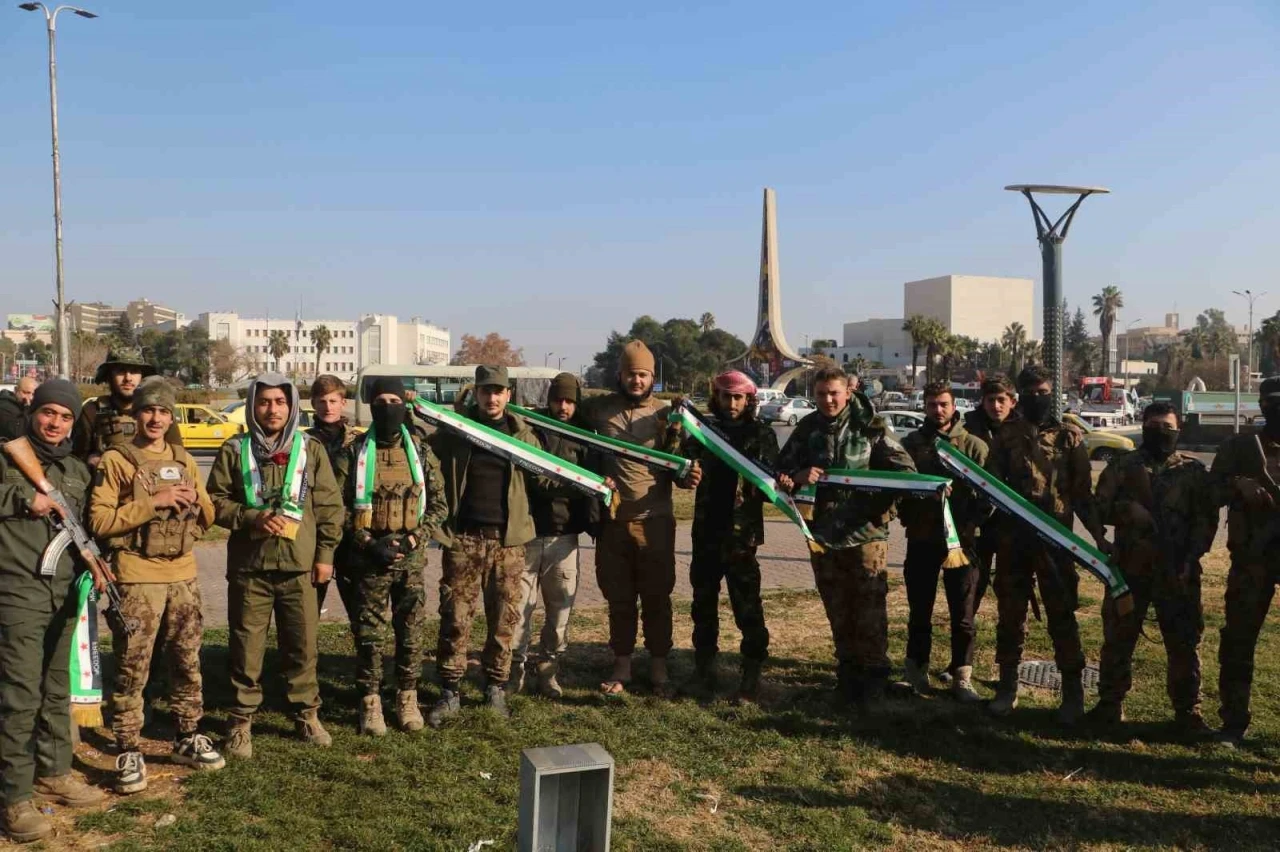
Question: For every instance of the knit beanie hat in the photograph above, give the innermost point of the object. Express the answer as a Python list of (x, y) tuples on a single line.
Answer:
[(636, 356), (564, 386), (59, 392), (386, 384), (155, 393)]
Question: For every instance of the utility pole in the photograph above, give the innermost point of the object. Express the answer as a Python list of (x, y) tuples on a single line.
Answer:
[(51, 24), (1250, 296)]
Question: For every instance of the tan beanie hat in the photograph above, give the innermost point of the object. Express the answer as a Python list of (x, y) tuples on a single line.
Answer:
[(635, 356)]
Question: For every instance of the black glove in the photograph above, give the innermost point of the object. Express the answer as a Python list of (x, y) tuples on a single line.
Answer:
[(386, 549)]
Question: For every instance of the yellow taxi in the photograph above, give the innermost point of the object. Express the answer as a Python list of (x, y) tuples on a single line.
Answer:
[(203, 428), (235, 413), (1103, 446)]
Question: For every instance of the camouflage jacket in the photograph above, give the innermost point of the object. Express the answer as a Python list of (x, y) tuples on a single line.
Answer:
[(1239, 462), (1158, 508), (725, 505), (1047, 465), (923, 517), (855, 438)]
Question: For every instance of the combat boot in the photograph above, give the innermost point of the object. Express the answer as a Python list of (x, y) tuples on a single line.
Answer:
[(1006, 693), (68, 790), (1229, 737), (24, 824), (548, 685), (962, 686), (704, 669), (1192, 725), (407, 710), (1071, 711), (749, 685), (519, 672), (449, 705), (848, 686), (239, 742), (871, 691), (371, 721), (496, 699), (1107, 713), (308, 728), (915, 679)]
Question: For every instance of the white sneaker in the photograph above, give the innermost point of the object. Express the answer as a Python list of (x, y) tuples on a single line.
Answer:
[(197, 750), (131, 773)]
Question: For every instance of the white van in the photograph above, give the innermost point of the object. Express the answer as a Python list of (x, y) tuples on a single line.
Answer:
[(765, 396)]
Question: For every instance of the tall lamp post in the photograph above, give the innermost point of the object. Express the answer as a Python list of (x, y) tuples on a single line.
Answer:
[(1130, 325), (1250, 296), (51, 24), (1051, 237)]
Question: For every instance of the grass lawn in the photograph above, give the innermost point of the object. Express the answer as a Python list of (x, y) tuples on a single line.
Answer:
[(793, 772)]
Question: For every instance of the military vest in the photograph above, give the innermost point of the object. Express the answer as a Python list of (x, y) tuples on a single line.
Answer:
[(111, 427), (172, 532), (395, 496)]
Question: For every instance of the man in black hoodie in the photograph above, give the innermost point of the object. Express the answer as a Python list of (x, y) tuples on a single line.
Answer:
[(13, 408)]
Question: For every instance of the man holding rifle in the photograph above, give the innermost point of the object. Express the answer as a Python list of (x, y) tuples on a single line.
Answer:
[(1160, 503), (38, 615), (1245, 473), (149, 507)]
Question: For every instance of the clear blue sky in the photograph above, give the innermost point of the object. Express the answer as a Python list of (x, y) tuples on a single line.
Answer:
[(552, 170)]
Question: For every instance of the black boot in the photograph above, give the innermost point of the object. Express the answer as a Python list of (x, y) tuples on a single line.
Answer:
[(749, 686), (704, 666), (848, 685)]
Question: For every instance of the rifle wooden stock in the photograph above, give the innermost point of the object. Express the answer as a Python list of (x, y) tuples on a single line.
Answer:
[(24, 456)]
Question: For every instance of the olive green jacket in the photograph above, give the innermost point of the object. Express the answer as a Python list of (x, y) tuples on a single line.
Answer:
[(1238, 460), (922, 517), (24, 538), (1159, 507), (454, 452), (319, 532)]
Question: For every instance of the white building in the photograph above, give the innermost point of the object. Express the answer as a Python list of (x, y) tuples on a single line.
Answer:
[(977, 306), (373, 339)]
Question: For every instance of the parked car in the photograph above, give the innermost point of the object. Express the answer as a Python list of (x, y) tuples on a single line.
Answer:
[(769, 396), (893, 401), (963, 404), (235, 412), (903, 422), (915, 402), (203, 428), (1102, 446), (788, 411)]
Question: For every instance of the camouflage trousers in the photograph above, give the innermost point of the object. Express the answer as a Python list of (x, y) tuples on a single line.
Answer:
[(370, 591), (1250, 589), (170, 617), (920, 575), (479, 566), (636, 570), (1022, 563), (550, 569), (1181, 620), (738, 568), (854, 585)]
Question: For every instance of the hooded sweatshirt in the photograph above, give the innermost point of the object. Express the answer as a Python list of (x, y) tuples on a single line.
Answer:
[(320, 530)]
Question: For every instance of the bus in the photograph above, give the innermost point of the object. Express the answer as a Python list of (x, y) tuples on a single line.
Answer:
[(442, 384)]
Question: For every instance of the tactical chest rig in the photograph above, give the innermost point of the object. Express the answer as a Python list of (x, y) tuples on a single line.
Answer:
[(173, 532), (396, 498), (111, 427)]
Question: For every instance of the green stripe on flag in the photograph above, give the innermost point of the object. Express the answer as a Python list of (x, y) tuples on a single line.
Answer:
[(654, 458)]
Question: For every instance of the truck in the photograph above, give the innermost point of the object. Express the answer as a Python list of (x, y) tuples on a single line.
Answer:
[(1105, 404)]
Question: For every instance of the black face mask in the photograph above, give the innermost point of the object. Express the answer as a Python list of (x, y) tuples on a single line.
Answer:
[(1037, 406), (388, 417), (1159, 441)]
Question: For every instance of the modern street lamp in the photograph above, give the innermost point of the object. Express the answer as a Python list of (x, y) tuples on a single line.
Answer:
[(1251, 296), (546, 358), (51, 23), (1051, 237), (1131, 324)]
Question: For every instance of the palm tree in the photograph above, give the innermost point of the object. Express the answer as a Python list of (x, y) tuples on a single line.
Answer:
[(914, 326), (934, 333), (278, 345), (1105, 307), (320, 338), (1013, 339), (1269, 338), (950, 348), (1197, 339), (707, 321), (1033, 352)]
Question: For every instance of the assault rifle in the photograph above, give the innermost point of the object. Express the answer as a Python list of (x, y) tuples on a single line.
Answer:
[(70, 531), (1260, 550)]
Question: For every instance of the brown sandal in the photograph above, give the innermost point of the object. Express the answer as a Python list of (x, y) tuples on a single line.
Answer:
[(614, 688)]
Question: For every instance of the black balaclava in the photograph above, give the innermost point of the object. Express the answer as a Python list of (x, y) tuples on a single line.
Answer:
[(388, 417), (1159, 441), (1036, 407)]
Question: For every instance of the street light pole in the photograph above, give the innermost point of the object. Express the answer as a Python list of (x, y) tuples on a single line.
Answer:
[(1131, 324), (1051, 239), (51, 24), (546, 358), (1250, 296)]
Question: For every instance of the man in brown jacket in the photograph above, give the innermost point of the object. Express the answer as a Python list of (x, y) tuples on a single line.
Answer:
[(635, 555)]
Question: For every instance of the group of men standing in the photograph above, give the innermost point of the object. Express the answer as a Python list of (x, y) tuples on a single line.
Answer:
[(359, 509)]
